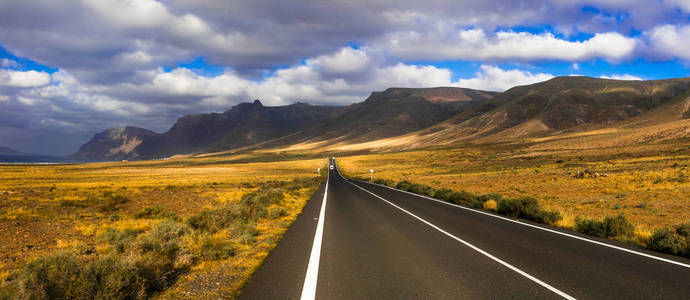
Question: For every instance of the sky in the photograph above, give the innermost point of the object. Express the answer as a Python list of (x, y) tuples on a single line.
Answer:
[(70, 68)]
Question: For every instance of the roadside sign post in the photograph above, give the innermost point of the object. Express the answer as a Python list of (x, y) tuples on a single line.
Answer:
[(372, 175), (318, 170)]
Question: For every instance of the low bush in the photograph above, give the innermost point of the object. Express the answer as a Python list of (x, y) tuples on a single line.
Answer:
[(403, 185), (213, 220), (617, 226), (164, 239), (155, 212), (255, 204), (590, 227), (684, 230), (420, 189), (205, 246), (66, 276), (384, 182), (668, 241), (527, 208)]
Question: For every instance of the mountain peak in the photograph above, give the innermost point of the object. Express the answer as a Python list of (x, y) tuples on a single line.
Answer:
[(257, 102)]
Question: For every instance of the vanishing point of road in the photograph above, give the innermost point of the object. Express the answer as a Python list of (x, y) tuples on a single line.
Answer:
[(356, 240)]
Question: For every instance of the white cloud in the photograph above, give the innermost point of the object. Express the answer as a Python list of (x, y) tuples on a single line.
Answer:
[(8, 63), (492, 78), (669, 41), (475, 44), (621, 77), (345, 61), (23, 79)]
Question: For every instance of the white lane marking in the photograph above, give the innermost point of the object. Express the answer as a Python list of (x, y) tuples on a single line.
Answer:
[(312, 275), (541, 228), (496, 259)]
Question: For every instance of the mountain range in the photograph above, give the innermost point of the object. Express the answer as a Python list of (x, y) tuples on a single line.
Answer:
[(10, 151), (406, 118)]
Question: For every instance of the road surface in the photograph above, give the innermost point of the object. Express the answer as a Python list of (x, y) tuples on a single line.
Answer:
[(374, 242)]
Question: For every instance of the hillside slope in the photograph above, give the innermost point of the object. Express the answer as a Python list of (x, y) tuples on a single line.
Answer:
[(558, 110), (393, 112), (244, 124)]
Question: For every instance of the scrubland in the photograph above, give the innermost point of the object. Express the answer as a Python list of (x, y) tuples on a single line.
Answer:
[(169, 229), (649, 185)]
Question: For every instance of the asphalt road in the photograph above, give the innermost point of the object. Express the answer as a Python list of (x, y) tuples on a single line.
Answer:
[(379, 243)]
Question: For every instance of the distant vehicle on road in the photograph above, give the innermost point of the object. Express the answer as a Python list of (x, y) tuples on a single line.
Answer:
[(331, 167)]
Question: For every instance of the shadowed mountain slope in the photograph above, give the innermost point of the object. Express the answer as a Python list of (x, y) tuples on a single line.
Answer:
[(245, 124), (393, 112)]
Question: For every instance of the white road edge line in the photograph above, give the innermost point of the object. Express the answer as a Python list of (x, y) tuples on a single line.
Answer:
[(312, 275), (538, 227), (496, 259)]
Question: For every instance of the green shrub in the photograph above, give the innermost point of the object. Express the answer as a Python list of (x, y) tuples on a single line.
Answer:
[(65, 276), (442, 193), (403, 185), (155, 212), (203, 245), (684, 230), (617, 226), (527, 208), (590, 227), (213, 220), (665, 240), (163, 239), (114, 237), (384, 182), (420, 189)]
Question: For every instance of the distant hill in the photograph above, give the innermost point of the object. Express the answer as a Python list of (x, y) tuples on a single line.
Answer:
[(578, 111), (393, 112), (120, 143), (562, 107), (9, 151), (244, 124), (566, 104)]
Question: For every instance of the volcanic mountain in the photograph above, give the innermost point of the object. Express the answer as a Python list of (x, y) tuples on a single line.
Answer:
[(393, 112), (561, 107), (244, 124)]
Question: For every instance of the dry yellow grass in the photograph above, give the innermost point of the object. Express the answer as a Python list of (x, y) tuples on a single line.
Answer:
[(652, 190), (44, 208)]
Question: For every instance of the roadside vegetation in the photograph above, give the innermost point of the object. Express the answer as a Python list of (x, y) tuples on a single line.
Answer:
[(101, 231), (626, 196)]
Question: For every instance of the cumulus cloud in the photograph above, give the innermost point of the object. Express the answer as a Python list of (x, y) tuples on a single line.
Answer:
[(492, 78), (476, 44), (23, 79), (670, 41)]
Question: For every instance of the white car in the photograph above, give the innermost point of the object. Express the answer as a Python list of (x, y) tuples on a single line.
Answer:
[(331, 167)]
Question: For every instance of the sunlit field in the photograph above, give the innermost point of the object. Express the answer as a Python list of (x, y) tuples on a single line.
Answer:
[(648, 184), (184, 227)]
